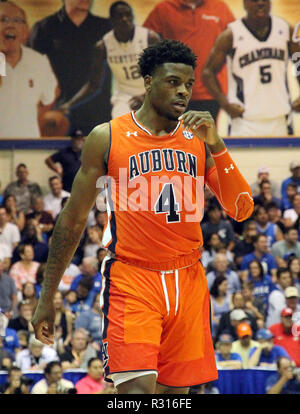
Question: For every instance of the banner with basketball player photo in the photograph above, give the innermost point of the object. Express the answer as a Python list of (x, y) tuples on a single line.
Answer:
[(63, 69)]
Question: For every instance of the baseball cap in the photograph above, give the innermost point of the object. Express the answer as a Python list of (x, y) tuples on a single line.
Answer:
[(263, 170), (244, 329), (264, 334), (294, 164), (287, 312), (237, 315), (77, 133), (225, 338), (291, 292)]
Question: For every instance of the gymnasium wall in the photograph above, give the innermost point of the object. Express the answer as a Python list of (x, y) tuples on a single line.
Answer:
[(247, 159)]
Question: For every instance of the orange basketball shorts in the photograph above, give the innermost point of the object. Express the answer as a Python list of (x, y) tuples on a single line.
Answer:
[(157, 321)]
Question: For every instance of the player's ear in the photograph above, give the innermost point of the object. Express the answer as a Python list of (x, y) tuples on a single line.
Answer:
[(148, 83)]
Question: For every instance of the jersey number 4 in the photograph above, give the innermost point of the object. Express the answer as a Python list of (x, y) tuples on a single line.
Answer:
[(166, 203), (265, 74)]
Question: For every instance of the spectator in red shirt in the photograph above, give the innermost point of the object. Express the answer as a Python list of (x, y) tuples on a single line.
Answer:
[(93, 382), (197, 23), (286, 335)]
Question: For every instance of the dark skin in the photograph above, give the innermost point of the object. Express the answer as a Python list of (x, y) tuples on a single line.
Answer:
[(258, 20), (168, 91), (123, 27)]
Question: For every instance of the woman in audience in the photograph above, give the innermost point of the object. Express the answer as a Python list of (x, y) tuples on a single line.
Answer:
[(28, 293), (220, 300), (63, 321), (263, 284), (25, 269), (293, 266), (14, 216)]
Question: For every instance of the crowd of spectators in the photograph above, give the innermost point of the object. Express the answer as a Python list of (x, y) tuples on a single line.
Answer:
[(252, 268)]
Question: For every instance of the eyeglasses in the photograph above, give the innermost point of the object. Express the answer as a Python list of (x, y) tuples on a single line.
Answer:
[(16, 20)]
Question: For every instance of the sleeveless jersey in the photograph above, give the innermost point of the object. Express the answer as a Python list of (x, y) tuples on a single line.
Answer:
[(122, 59), (257, 70), (155, 184)]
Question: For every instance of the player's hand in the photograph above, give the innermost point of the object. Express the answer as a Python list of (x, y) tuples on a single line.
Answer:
[(296, 105), (234, 110), (202, 124), (136, 102), (43, 321)]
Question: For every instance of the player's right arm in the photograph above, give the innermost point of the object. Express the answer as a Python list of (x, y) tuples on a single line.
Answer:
[(90, 87), (216, 60), (70, 226)]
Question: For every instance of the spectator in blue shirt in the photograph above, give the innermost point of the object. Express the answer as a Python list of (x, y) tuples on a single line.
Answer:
[(89, 269), (84, 296), (286, 380), (261, 254), (262, 283), (224, 357), (266, 354), (295, 179), (11, 341), (30, 236)]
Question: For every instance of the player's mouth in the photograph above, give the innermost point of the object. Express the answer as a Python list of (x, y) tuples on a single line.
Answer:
[(179, 106)]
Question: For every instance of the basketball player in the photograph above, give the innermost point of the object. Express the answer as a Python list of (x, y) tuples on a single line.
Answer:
[(257, 49), (120, 48), (155, 300)]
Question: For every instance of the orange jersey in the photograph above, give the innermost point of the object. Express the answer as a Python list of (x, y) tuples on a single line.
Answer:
[(156, 199)]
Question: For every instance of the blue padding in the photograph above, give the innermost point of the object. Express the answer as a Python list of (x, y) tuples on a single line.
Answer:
[(47, 143)]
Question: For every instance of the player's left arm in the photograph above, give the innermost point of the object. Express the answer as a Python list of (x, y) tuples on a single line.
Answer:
[(294, 52), (221, 173)]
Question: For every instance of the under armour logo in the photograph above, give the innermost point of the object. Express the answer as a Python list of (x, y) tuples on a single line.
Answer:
[(229, 168), (128, 133)]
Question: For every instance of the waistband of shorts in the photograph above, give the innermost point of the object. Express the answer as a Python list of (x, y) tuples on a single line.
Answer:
[(178, 262)]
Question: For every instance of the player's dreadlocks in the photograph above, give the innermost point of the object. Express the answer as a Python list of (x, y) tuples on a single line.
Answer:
[(165, 51)]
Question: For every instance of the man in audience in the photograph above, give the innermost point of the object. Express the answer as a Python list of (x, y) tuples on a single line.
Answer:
[(36, 356), (84, 296), (263, 173), (22, 321), (8, 292), (291, 215), (260, 253), (286, 380), (29, 86), (277, 299), (266, 353), (42, 218), (290, 245), (216, 224), (222, 269), (244, 343), (69, 160), (285, 336), (230, 320), (78, 354), (93, 382), (294, 179), (225, 358), (53, 383), (265, 195), (245, 246), (291, 191), (9, 232), (264, 226), (23, 189), (89, 269), (68, 37), (52, 201), (32, 235)]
